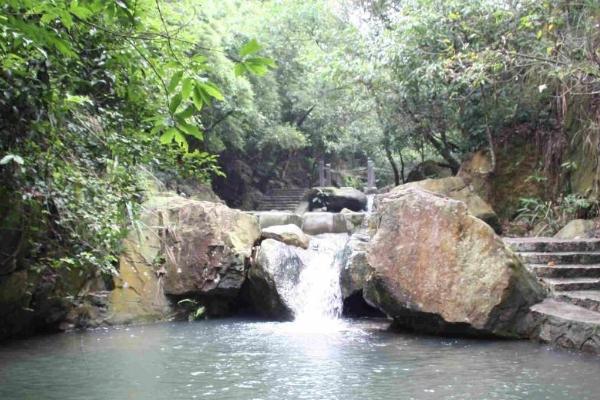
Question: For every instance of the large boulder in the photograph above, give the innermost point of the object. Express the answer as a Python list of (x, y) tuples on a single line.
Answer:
[(580, 229), (336, 199), (436, 268), (272, 277), (288, 234), (207, 247), (457, 189)]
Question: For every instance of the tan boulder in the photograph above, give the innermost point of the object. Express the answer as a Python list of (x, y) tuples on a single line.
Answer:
[(207, 247), (579, 229), (183, 247), (437, 268), (289, 234), (456, 188)]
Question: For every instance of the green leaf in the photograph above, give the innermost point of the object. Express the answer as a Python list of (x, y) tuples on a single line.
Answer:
[(251, 47), (175, 102), (191, 130), (212, 90), (185, 114), (175, 79), (199, 92), (239, 69), (168, 136), (180, 140), (197, 99), (186, 88), (80, 11)]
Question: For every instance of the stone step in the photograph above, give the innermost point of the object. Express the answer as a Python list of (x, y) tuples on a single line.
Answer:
[(572, 284), (279, 202), (589, 299), (286, 197), (540, 245), (561, 258), (276, 208), (567, 325), (566, 270)]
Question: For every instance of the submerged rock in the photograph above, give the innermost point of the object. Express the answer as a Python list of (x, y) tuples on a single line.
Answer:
[(456, 188), (288, 234), (436, 268)]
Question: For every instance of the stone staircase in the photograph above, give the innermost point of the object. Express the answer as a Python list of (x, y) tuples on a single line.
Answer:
[(282, 200), (570, 316)]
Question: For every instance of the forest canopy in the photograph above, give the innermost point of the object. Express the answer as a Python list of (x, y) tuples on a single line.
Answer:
[(94, 90)]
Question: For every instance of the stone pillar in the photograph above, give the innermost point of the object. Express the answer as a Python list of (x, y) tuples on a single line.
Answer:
[(321, 173), (327, 175), (371, 185)]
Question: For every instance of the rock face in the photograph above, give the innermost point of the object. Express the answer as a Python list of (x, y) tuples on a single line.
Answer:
[(456, 188), (438, 269), (207, 246), (138, 295), (428, 169), (579, 229), (274, 273), (336, 199), (288, 234)]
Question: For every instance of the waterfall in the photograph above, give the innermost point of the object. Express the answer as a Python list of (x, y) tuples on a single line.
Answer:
[(316, 299), (370, 199)]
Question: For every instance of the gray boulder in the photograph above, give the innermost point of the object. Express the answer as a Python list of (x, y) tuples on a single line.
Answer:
[(289, 234), (272, 276), (272, 218)]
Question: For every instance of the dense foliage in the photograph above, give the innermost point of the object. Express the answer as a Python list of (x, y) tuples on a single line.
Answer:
[(93, 89)]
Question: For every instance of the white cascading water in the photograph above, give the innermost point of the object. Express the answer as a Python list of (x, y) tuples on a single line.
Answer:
[(370, 199), (316, 300)]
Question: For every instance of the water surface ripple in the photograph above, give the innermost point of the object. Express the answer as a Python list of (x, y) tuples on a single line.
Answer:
[(233, 359)]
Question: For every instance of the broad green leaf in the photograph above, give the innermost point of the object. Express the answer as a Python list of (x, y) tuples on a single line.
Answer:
[(251, 47), (212, 90), (175, 102), (180, 140), (168, 136), (199, 92), (174, 82), (239, 69), (197, 99), (185, 114), (191, 130), (186, 88)]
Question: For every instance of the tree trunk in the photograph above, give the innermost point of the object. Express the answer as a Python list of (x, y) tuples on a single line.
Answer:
[(390, 158)]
